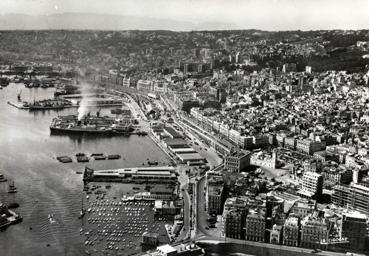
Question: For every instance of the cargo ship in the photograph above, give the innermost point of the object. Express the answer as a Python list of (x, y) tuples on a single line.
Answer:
[(100, 125)]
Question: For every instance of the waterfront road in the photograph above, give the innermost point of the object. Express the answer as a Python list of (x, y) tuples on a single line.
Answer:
[(265, 246), (183, 179)]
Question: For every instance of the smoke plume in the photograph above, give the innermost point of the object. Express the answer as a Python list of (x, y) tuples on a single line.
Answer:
[(83, 108)]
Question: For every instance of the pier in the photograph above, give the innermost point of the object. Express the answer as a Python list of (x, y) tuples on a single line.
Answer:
[(158, 174), (18, 105)]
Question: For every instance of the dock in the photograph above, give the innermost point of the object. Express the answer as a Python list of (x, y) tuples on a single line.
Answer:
[(138, 175)]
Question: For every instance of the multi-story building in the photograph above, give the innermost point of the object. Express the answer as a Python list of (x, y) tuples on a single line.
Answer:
[(260, 141), (144, 85), (291, 231), (314, 232), (308, 146), (150, 238), (233, 218), (276, 234), (290, 143), (214, 192), (312, 185), (303, 208), (237, 162), (126, 82), (339, 175), (354, 227), (160, 86), (187, 103), (354, 196), (255, 226), (233, 223)]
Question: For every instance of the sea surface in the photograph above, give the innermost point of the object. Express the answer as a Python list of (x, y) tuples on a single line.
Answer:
[(45, 186)]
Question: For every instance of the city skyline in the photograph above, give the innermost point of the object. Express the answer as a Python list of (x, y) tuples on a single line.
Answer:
[(200, 15)]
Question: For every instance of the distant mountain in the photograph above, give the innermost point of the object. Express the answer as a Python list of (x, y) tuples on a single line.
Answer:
[(81, 21)]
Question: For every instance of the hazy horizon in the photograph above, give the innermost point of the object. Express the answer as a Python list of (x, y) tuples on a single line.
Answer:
[(232, 14)]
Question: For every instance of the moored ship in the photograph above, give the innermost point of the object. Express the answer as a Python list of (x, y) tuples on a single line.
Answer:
[(103, 125), (47, 104)]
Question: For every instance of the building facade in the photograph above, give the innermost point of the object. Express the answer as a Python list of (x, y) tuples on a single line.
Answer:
[(276, 234), (255, 226), (291, 232), (355, 229), (354, 197), (314, 232), (312, 185), (214, 195), (237, 162)]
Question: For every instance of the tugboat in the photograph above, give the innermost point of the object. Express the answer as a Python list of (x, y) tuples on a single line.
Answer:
[(12, 188)]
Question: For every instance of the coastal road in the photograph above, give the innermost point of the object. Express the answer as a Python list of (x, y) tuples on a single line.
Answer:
[(202, 215), (264, 246), (183, 179)]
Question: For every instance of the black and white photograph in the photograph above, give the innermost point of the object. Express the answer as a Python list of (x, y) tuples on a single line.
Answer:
[(184, 127)]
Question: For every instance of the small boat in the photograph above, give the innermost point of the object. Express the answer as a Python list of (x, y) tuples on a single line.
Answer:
[(51, 218), (2, 178), (96, 154), (82, 158), (110, 157), (152, 163), (13, 205), (64, 159), (102, 157), (81, 214), (83, 211), (12, 188)]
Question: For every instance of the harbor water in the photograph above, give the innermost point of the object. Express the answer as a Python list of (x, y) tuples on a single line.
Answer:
[(46, 187)]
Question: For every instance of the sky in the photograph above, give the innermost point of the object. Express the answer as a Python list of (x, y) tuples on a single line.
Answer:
[(239, 14)]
